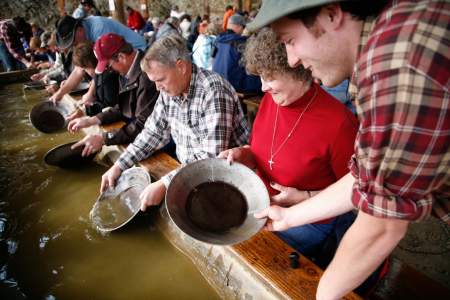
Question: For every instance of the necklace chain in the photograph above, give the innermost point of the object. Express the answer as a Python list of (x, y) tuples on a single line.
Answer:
[(272, 153)]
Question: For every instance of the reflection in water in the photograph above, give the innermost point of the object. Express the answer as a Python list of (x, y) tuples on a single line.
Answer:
[(48, 247)]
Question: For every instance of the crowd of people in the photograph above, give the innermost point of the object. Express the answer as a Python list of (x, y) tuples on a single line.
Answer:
[(351, 137)]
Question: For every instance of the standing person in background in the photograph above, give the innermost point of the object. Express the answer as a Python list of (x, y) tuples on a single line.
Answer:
[(175, 12), (169, 27), (204, 45), (229, 11), (13, 32), (229, 46), (185, 26), (85, 9), (135, 20), (396, 54)]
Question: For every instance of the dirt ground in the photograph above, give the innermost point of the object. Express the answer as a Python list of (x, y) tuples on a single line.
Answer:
[(426, 248)]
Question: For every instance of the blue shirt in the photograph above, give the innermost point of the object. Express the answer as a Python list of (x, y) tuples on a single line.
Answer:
[(95, 27)]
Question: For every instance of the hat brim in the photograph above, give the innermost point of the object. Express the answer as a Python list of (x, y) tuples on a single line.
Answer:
[(68, 40), (271, 11), (101, 66)]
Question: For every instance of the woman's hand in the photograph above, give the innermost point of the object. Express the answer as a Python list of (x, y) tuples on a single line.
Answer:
[(82, 122), (242, 155), (288, 196)]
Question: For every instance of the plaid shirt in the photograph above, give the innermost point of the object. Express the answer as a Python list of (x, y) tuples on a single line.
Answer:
[(206, 122), (11, 37), (401, 81)]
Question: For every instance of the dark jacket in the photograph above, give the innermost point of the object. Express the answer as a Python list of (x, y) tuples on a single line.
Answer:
[(137, 98), (227, 56), (106, 92)]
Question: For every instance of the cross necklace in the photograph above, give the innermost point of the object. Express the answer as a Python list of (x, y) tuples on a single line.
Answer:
[(272, 152)]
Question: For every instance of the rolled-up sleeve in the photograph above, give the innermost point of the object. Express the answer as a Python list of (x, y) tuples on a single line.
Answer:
[(402, 159)]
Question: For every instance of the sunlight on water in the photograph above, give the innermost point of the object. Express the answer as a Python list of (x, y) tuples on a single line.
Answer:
[(48, 246)]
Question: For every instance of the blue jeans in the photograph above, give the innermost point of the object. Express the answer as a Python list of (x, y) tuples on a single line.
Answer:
[(318, 242), (8, 61)]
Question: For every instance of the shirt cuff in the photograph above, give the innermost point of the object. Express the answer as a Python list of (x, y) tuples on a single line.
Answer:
[(166, 179)]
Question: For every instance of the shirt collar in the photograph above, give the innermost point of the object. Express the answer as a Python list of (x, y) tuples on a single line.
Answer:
[(364, 37), (129, 73), (191, 88)]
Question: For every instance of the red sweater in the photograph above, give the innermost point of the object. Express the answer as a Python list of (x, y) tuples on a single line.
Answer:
[(317, 153), (135, 20)]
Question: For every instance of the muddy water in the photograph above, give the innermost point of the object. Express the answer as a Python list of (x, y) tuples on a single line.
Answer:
[(48, 247)]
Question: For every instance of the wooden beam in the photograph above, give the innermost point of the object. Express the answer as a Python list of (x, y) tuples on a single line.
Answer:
[(144, 9), (116, 10), (61, 4)]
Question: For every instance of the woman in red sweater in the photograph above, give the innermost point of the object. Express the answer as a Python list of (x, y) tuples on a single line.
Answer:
[(302, 138)]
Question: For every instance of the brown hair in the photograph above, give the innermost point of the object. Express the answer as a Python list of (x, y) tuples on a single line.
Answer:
[(264, 55), (83, 55)]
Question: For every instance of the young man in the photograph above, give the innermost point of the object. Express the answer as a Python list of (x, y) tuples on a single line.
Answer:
[(196, 107), (396, 54), (136, 98)]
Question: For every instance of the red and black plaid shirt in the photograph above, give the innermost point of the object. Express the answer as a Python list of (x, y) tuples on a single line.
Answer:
[(11, 37), (401, 85)]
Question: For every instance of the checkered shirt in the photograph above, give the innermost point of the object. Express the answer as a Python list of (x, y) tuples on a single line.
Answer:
[(401, 81), (11, 38), (209, 120)]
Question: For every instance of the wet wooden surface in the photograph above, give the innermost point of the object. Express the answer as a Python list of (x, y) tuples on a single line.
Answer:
[(17, 76), (269, 257)]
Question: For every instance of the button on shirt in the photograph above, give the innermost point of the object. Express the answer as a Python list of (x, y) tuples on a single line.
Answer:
[(401, 82), (209, 120)]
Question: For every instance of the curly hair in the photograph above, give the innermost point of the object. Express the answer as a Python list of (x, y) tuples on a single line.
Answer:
[(265, 56)]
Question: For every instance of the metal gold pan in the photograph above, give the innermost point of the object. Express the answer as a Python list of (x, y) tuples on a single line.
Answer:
[(48, 117), (213, 170)]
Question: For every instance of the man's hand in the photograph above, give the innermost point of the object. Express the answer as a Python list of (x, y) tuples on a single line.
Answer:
[(242, 155), (288, 196), (37, 76), (92, 143), (110, 177), (78, 113), (153, 194), (57, 96), (277, 220), (88, 99), (82, 122)]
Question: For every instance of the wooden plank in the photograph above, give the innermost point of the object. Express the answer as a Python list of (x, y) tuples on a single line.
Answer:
[(159, 164), (269, 257), (17, 76)]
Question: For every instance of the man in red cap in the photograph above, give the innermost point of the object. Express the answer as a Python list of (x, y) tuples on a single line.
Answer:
[(137, 95)]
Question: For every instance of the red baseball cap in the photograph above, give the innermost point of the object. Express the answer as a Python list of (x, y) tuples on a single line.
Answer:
[(105, 48)]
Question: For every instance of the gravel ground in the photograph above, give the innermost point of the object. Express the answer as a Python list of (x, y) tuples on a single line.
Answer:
[(426, 247)]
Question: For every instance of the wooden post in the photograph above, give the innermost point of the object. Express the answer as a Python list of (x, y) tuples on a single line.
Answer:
[(206, 8), (144, 9), (61, 7), (116, 9), (248, 5)]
